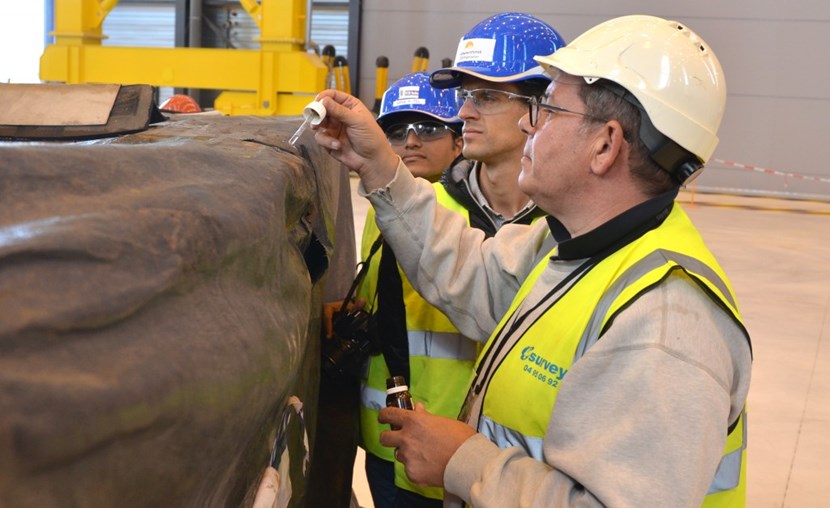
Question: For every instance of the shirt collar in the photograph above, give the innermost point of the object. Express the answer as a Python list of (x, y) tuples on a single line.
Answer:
[(478, 195), (617, 232)]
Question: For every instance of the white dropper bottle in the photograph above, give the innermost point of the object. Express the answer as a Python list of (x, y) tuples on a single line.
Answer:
[(313, 114)]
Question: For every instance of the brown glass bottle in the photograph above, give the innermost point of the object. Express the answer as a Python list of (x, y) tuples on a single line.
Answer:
[(397, 394)]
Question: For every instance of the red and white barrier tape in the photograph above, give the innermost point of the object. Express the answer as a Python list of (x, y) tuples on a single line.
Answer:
[(771, 171)]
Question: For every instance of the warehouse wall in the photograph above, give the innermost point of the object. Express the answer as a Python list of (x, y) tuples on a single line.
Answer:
[(774, 54)]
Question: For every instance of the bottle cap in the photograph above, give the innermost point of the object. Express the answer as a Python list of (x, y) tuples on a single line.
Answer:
[(314, 112), (396, 389)]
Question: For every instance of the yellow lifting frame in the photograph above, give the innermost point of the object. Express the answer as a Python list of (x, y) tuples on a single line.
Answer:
[(278, 79)]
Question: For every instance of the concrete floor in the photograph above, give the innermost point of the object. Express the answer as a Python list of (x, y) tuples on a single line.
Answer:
[(777, 255)]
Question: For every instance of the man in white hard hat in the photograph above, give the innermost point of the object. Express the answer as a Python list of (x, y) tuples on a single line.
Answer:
[(617, 366)]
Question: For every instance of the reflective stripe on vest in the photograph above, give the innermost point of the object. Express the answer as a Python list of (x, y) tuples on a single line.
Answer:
[(449, 346), (650, 263), (536, 365), (728, 475), (440, 359)]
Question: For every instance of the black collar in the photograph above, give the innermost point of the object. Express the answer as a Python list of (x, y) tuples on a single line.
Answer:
[(619, 231)]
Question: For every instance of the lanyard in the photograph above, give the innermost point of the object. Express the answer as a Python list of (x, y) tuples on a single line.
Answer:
[(510, 334), (507, 336), (513, 330), (362, 267)]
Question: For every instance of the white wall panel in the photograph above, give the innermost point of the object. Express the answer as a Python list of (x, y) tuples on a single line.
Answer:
[(787, 135), (775, 56)]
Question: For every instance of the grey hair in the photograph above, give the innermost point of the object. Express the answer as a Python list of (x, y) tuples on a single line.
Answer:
[(601, 102)]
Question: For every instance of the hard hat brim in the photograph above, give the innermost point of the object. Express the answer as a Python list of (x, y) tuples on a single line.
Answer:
[(391, 118), (451, 77)]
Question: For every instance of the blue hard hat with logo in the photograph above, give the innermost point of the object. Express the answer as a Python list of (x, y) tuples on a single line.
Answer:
[(501, 49), (414, 94)]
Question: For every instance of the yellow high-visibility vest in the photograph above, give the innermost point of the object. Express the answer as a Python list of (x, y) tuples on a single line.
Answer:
[(440, 358), (537, 365)]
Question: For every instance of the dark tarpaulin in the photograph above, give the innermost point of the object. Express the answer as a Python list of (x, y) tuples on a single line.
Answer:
[(159, 302)]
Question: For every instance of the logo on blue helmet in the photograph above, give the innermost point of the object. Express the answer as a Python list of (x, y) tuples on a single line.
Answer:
[(414, 94), (501, 49)]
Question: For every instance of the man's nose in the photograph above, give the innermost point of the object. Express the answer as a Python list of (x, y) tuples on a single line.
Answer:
[(467, 110)]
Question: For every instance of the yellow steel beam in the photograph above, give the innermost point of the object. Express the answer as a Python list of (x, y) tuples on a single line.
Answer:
[(281, 23), (271, 76), (106, 7), (254, 9), (80, 21), (275, 80)]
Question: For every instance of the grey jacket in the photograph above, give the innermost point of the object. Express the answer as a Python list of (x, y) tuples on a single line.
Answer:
[(641, 418)]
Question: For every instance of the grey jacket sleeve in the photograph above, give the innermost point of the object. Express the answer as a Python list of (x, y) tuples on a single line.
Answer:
[(450, 264), (640, 420)]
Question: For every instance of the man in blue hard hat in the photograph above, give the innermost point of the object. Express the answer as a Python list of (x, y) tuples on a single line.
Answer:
[(422, 127), (497, 77)]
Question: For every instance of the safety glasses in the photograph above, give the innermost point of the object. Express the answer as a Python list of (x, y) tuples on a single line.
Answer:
[(489, 101), (536, 107), (426, 131)]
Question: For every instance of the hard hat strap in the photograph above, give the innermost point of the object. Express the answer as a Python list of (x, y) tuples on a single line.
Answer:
[(680, 163)]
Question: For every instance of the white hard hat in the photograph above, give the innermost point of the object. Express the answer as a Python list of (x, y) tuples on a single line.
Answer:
[(665, 65)]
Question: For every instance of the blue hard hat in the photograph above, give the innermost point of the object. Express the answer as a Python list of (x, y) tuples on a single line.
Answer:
[(413, 94), (501, 49)]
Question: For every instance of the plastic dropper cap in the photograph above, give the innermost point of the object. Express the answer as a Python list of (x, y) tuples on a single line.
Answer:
[(313, 114)]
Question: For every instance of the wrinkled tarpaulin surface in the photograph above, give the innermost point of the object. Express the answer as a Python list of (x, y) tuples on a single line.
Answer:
[(157, 309)]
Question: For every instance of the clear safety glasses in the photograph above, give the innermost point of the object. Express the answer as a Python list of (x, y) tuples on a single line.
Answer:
[(426, 131), (489, 101), (536, 107)]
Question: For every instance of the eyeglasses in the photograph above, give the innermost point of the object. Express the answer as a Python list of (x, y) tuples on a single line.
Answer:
[(426, 131), (536, 108), (489, 101)]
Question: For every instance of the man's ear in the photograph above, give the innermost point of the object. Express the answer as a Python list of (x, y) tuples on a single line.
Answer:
[(608, 147), (458, 145)]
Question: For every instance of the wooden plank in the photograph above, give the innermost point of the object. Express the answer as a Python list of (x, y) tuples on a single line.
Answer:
[(56, 104), (133, 111)]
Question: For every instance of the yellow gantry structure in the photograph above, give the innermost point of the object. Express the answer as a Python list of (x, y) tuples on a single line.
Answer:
[(278, 79)]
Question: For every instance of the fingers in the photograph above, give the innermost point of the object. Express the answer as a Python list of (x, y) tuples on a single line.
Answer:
[(337, 111), (351, 135), (338, 97), (324, 137), (328, 317), (395, 417)]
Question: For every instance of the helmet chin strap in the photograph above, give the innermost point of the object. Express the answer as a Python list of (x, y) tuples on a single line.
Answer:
[(681, 164)]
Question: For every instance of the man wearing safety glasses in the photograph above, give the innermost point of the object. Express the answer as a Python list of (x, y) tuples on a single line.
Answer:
[(422, 126), (495, 77)]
